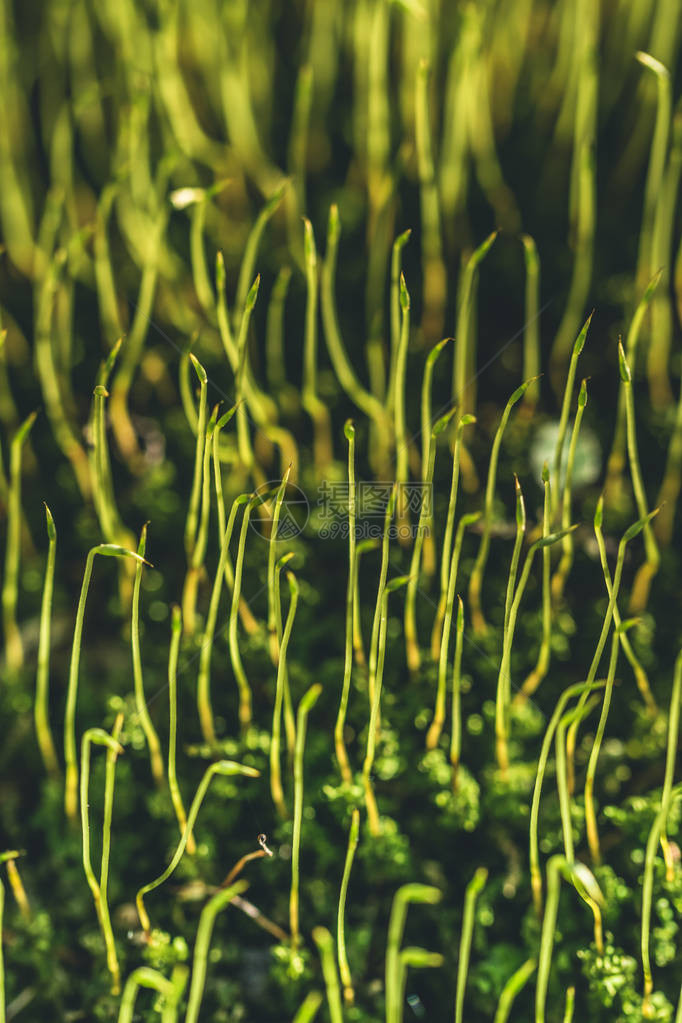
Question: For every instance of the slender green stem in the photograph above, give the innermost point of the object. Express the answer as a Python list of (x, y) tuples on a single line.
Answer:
[(373, 730), (504, 677), (590, 812), (566, 562), (456, 737), (140, 700), (578, 346), (436, 632), (569, 1005), (659, 828), (396, 275), (419, 893), (316, 409), (41, 706), (195, 494), (344, 968), (176, 797), (171, 990), (439, 713), (400, 430), (640, 675), (71, 781), (473, 890), (339, 743), (235, 656), (99, 888), (578, 713), (275, 364), (383, 572), (531, 329), (423, 530), (202, 945), (242, 376), (534, 856), (643, 579), (225, 768), (274, 635), (464, 373), (308, 1009), (204, 705), (476, 578), (325, 944), (433, 267), (542, 664), (308, 701), (275, 770), (512, 988), (14, 648)]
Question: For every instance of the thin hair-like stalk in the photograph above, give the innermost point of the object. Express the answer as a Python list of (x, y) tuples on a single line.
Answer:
[(464, 369), (646, 572), (436, 632), (276, 789), (308, 701), (615, 463), (408, 893), (370, 544), (225, 768), (473, 890), (433, 734), (578, 346), (275, 633), (41, 713), (99, 888), (456, 735), (176, 797), (538, 673), (577, 713), (202, 945), (325, 945), (204, 705), (339, 743), (640, 674), (308, 1009), (383, 572), (373, 730), (534, 849), (196, 558), (140, 700), (400, 429), (476, 578), (531, 329), (14, 647), (396, 305), (433, 267), (423, 530), (313, 405), (192, 520), (512, 988), (429, 555), (659, 828), (170, 990), (344, 968), (244, 447), (503, 698), (566, 562), (634, 530), (71, 779)]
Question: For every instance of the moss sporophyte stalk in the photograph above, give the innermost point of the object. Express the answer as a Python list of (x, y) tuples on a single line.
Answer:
[(235, 239)]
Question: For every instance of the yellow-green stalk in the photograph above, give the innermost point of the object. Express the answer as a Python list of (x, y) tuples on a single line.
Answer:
[(464, 370), (429, 545), (339, 743), (276, 789), (578, 346), (202, 945), (542, 664), (325, 944), (41, 706), (512, 988), (316, 409), (176, 797), (531, 328), (473, 890), (140, 699), (225, 768), (433, 267), (14, 647), (436, 632), (344, 968), (409, 893), (476, 578), (71, 779), (423, 527), (566, 562), (99, 888), (171, 991), (308, 701)]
